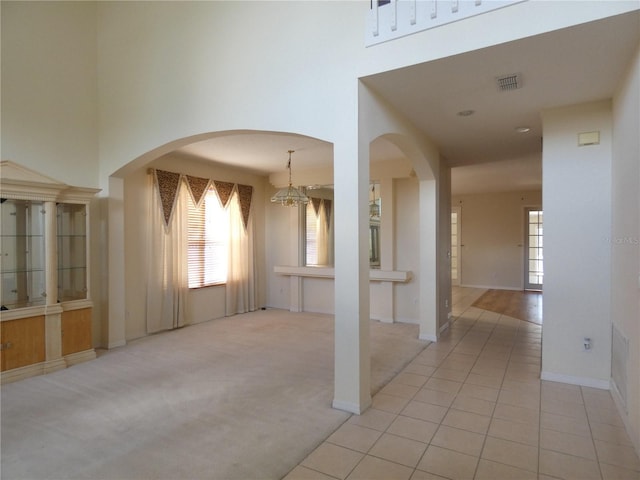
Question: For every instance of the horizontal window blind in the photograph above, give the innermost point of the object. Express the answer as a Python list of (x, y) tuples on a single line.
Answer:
[(208, 233), (312, 235)]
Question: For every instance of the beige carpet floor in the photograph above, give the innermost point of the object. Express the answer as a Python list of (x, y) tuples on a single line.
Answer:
[(244, 397)]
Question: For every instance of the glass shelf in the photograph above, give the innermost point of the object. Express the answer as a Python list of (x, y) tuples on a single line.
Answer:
[(22, 257), (23, 263), (21, 236), (13, 272), (72, 251)]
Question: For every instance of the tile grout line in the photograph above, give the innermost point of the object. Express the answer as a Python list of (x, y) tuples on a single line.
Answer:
[(365, 454), (484, 442), (593, 442), (431, 376), (464, 332), (540, 412), (467, 376)]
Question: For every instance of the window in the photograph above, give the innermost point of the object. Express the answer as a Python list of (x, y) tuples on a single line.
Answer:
[(208, 233), (318, 231), (311, 235)]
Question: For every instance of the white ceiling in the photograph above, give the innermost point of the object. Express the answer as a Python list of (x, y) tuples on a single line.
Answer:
[(266, 152), (575, 65)]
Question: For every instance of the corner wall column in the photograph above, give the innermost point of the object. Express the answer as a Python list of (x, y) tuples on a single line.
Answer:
[(352, 388), (429, 287), (116, 262)]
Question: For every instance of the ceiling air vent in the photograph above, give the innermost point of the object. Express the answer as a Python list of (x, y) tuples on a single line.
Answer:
[(509, 82)]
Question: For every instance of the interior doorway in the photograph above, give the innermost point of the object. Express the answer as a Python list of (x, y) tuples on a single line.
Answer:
[(534, 257)]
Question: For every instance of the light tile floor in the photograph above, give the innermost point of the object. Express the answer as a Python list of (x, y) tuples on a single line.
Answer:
[(472, 406)]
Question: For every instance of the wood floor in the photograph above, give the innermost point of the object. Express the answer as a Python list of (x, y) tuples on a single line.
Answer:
[(523, 305)]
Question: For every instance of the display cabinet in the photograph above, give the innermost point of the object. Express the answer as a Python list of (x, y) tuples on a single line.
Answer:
[(46, 317), (22, 246), (72, 251)]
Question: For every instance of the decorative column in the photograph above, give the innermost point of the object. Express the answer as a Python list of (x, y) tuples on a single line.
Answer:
[(53, 309), (352, 389), (116, 276), (428, 260)]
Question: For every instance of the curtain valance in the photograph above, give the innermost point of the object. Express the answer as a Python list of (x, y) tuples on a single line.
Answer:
[(168, 185), (327, 207)]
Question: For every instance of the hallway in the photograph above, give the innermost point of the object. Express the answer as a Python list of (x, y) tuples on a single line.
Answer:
[(521, 304), (472, 406)]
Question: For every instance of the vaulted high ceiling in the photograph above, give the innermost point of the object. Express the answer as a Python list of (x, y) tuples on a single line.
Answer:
[(570, 66)]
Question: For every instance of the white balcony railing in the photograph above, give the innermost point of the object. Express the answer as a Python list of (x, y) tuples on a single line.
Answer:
[(390, 19)]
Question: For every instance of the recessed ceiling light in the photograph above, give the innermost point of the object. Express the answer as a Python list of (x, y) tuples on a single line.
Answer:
[(523, 129), (466, 113)]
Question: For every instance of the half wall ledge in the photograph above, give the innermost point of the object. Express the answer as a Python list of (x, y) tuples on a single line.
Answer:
[(329, 272)]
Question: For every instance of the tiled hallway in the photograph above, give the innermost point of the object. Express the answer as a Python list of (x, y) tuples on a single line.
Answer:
[(472, 406)]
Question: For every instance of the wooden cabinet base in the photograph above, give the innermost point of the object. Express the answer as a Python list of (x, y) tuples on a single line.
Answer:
[(76, 331), (42, 368), (22, 342)]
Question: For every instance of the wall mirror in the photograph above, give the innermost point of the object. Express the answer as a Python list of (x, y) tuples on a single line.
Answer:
[(318, 226), (375, 209)]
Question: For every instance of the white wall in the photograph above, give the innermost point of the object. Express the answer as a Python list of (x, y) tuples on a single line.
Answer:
[(281, 245), (318, 293), (50, 104), (407, 248), (577, 254), (50, 89), (492, 232), (170, 70), (444, 247), (205, 303), (625, 236), (160, 72)]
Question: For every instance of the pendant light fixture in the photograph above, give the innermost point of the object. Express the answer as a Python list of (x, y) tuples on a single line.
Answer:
[(290, 196)]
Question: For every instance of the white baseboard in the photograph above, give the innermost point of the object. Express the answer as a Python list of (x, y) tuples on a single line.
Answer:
[(116, 344), (412, 321), (573, 380), (428, 336), (382, 319), (54, 365), (350, 407), (76, 358), (494, 287), (22, 372), (445, 326)]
